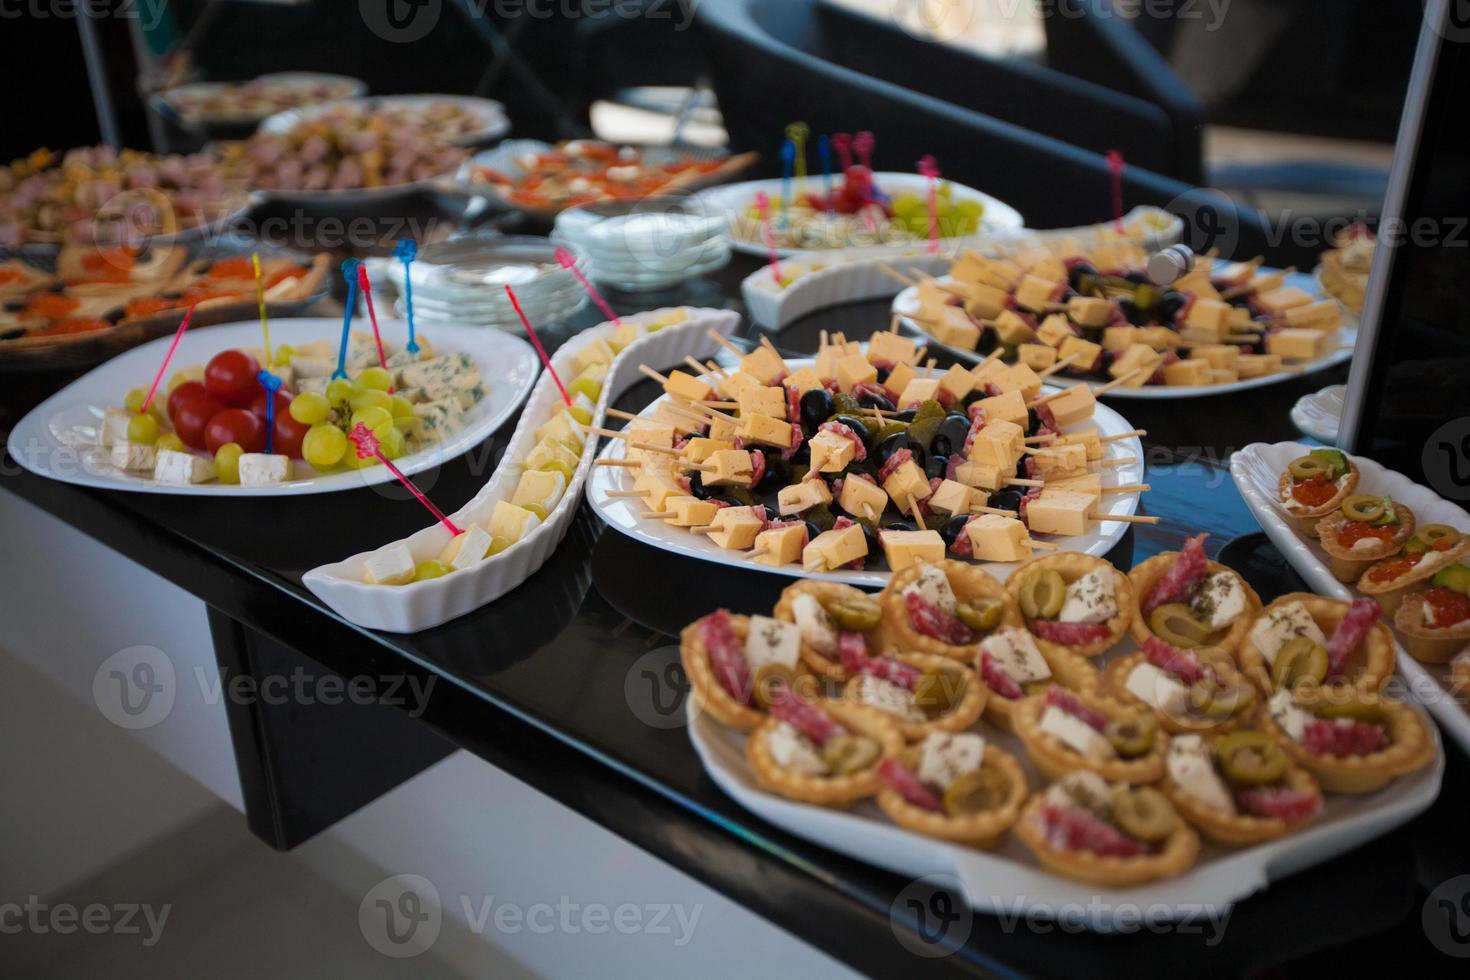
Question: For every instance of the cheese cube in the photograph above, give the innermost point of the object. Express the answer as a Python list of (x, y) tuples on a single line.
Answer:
[(953, 326), (1224, 357), (1076, 734), (945, 756), (134, 457), (1059, 512), (1195, 371), (886, 347), (900, 377), (1043, 262), (1061, 460), (771, 641), (826, 362), (1054, 329), (1073, 405), (1139, 358), (1035, 293), (1088, 483), (1295, 344), (1038, 357), (728, 468), (511, 522), (390, 565), (264, 469), (1014, 651), (1160, 338), (985, 302), (951, 497), (623, 336), (833, 549), (466, 548), (906, 481), (181, 468), (957, 382), (765, 431), (1119, 337), (1018, 378), (700, 448), (657, 486), (114, 426), (1092, 598), (764, 365), (853, 370), (763, 401), (595, 352), (985, 476), (1089, 311), (732, 384), (932, 296), (919, 391), (542, 488), (1083, 353), (830, 452), (987, 370), (1013, 328), (804, 495), (722, 430), (994, 537), (670, 319), (803, 380), (905, 548), (664, 414), (1257, 365), (736, 528), (564, 429), (861, 498), (1208, 314), (1279, 626), (999, 444), (782, 546), (1322, 315), (687, 386), (1278, 301), (690, 511), (1087, 437), (1197, 282)]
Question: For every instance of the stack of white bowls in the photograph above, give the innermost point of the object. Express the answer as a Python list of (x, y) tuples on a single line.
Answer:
[(648, 244), (464, 282)]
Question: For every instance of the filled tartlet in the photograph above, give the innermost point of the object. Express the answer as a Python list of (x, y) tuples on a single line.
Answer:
[(1188, 690), (1366, 529), (820, 751), (736, 663), (1432, 548), (921, 693), (1190, 602), (1435, 623), (1351, 741), (944, 608), (1072, 602), (1460, 677), (835, 621), (1239, 788), (1305, 639), (1014, 667), (1109, 835), (1315, 485), (1064, 731), (954, 786)]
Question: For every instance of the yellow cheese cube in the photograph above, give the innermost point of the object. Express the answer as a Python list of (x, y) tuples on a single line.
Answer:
[(1240, 317), (830, 550), (1085, 483), (1038, 357), (1278, 301), (723, 430), (1013, 328), (1120, 337), (826, 362), (804, 495), (1257, 365), (831, 452), (657, 486), (861, 498), (987, 371), (735, 528), (1089, 311), (1295, 344), (1073, 405), (906, 481), (1194, 371), (984, 302), (1059, 512), (1018, 378), (596, 352), (1087, 437), (687, 386), (1061, 460), (931, 296), (690, 511), (700, 448), (1053, 330), (1084, 353), (986, 476), (994, 537), (682, 424), (728, 468), (803, 380), (1035, 294), (782, 546), (732, 384), (886, 347), (550, 451), (1197, 282), (952, 497), (623, 336), (765, 431), (562, 428), (905, 548), (999, 444), (540, 487), (1009, 407), (1118, 255), (853, 370), (898, 379), (1042, 262), (764, 366), (1139, 358), (918, 391), (1208, 314), (1322, 315), (763, 401), (957, 381), (1160, 338), (951, 325), (511, 522)]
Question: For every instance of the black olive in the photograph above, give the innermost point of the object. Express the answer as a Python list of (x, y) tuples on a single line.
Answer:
[(1106, 359), (811, 530), (776, 476), (803, 452), (1077, 271), (974, 397), (1244, 302), (14, 305), (1169, 305), (951, 435), (936, 467), (697, 489), (883, 374), (953, 528), (1132, 313), (1021, 471), (875, 547), (884, 451), (816, 406), (1007, 499), (1033, 420), (858, 426), (899, 526), (907, 415), (771, 501), (875, 401), (988, 341), (865, 468), (1137, 278)]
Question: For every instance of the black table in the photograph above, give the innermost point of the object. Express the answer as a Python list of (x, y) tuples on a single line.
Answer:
[(571, 684)]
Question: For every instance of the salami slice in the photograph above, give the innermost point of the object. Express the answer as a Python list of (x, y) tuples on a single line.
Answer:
[(854, 650), (1180, 582), (1065, 700), (846, 433), (1073, 830), (1046, 417), (1351, 629), (1342, 737), (726, 655), (1172, 660), (757, 466), (893, 462), (998, 680), (793, 404), (899, 778), (812, 722), (976, 411), (1070, 634), (1281, 802), (931, 621), (797, 437), (893, 671), (869, 388)]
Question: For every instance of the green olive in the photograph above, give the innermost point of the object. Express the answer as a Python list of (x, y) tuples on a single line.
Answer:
[(929, 409), (1180, 626), (854, 613), (938, 691), (1364, 507), (1144, 813), (1213, 698), (982, 613), (1299, 661), (1036, 687), (1133, 737), (1250, 758), (847, 754), (1306, 467), (1043, 593), (770, 679), (1355, 710), (975, 792), (1432, 534)]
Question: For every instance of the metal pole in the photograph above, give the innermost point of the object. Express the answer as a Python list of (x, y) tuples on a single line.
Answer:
[(97, 76)]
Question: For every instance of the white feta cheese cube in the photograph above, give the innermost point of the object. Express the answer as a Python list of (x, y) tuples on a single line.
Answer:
[(770, 641), (1093, 598), (1076, 735), (114, 426), (1015, 653), (817, 627), (1192, 770), (1220, 598), (181, 469), (1285, 712), (933, 587), (391, 564), (794, 751), (1157, 689), (943, 756), (875, 692), (1284, 623), (262, 469)]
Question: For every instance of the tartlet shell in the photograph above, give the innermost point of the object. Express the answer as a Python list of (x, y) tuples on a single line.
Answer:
[(1175, 858), (1067, 669), (1073, 565), (1375, 656), (967, 581), (823, 592), (1114, 685), (961, 717), (1427, 645), (1348, 565), (1391, 594), (983, 830), (1146, 575), (1054, 760), (1238, 829), (1410, 747), (1306, 520), (837, 791), (709, 695)]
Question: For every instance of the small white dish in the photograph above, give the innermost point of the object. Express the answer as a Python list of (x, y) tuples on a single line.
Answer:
[(1319, 414)]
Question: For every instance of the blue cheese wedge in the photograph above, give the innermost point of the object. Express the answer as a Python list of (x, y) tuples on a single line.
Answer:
[(1015, 653), (436, 421), (390, 565), (263, 469), (1220, 600), (1076, 735), (771, 641), (817, 627), (933, 587), (467, 548), (794, 751), (134, 457), (1157, 689), (308, 367), (1093, 598), (1193, 771), (1282, 624), (944, 756), (181, 469), (887, 697)]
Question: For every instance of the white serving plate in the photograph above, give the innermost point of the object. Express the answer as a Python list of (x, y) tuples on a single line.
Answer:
[(1319, 414), (624, 513), (166, 101), (490, 114), (1256, 470), (732, 200), (423, 605), (57, 439), (1009, 881), (1340, 344)]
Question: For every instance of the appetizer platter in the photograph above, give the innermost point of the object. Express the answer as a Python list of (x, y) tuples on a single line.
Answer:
[(1344, 269), (545, 180), (1223, 327), (1063, 745), (1361, 530), (463, 120), (199, 105), (515, 522), (205, 433), (866, 460)]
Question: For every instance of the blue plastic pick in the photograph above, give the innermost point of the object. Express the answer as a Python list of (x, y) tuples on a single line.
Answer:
[(406, 251), (788, 163), (349, 272), (824, 150), (272, 384)]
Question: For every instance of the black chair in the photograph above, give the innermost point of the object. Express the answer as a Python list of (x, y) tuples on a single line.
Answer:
[(765, 76)]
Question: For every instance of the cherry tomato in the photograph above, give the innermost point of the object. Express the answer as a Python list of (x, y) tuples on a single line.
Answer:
[(283, 402), (288, 435), (230, 377), (185, 392), (192, 417), (235, 425)]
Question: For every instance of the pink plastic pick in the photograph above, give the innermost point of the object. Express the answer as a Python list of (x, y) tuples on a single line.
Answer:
[(530, 332), (367, 445), (366, 286), (763, 203), (862, 145), (1115, 170), (842, 143), (166, 358), (569, 262), (929, 167)]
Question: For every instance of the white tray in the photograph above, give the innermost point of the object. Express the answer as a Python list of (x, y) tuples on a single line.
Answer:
[(1340, 343), (1009, 881), (624, 513), (491, 114), (840, 279), (58, 438), (422, 605)]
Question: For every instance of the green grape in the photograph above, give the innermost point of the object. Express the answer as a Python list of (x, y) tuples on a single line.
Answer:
[(227, 462), (324, 445), (355, 462), (433, 568), (339, 390), (498, 544), (143, 428), (581, 414), (283, 354), (179, 377), (390, 440), (536, 509), (134, 400), (309, 408), (557, 466), (171, 440), (373, 417), (375, 379), (585, 386), (401, 408), (370, 398)]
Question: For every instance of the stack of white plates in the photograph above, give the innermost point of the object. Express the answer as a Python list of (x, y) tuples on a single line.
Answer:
[(464, 282), (648, 244)]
